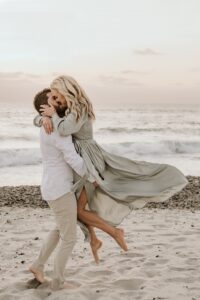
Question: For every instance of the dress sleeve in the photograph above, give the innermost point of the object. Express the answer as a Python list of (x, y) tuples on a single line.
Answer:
[(68, 124), (37, 121)]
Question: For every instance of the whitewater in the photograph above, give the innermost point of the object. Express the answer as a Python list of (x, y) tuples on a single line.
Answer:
[(156, 134)]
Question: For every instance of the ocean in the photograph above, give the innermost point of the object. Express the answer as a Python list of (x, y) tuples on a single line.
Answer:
[(156, 134)]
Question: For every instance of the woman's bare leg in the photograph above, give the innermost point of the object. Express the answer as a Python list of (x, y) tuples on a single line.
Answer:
[(92, 219), (95, 243)]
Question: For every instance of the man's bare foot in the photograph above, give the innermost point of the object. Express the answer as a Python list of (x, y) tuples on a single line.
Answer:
[(68, 285), (95, 246), (39, 275), (55, 286), (119, 237)]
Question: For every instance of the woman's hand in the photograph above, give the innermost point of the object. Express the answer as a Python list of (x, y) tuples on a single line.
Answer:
[(95, 184), (47, 110), (47, 124)]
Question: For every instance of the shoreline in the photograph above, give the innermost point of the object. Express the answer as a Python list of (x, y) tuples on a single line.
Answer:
[(30, 196)]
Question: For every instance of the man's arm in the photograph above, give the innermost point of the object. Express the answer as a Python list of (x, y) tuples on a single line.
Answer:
[(37, 121), (76, 162), (45, 122)]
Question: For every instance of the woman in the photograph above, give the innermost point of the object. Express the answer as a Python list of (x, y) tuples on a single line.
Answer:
[(123, 184)]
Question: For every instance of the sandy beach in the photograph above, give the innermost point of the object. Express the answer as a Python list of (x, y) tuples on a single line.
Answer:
[(163, 261)]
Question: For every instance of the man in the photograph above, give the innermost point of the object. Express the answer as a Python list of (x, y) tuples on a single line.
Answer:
[(59, 160)]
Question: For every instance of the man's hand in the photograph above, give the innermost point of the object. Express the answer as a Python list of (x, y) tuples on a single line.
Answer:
[(47, 110), (47, 124)]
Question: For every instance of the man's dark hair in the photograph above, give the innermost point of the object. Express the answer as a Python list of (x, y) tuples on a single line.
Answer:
[(40, 99)]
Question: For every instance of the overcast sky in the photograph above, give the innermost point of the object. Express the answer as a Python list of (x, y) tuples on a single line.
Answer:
[(121, 51)]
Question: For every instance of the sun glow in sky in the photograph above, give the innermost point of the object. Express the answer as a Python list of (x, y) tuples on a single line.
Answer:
[(121, 52)]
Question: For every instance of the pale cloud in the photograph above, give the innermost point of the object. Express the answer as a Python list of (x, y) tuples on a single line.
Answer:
[(195, 69), (178, 84), (21, 87), (146, 51), (118, 80), (134, 72), (126, 77), (18, 76), (31, 6), (10, 75)]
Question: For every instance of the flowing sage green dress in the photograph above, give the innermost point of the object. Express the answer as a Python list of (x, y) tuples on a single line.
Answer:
[(124, 184)]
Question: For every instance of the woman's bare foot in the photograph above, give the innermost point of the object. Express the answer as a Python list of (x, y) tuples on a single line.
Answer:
[(39, 275), (95, 246), (119, 237)]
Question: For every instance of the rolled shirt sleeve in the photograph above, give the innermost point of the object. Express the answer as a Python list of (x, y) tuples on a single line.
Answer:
[(37, 121)]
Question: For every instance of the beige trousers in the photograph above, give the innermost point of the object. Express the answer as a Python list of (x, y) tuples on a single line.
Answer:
[(65, 212)]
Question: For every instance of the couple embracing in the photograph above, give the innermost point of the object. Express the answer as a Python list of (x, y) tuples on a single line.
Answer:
[(81, 181)]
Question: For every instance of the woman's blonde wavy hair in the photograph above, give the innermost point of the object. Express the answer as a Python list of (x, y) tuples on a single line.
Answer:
[(75, 96)]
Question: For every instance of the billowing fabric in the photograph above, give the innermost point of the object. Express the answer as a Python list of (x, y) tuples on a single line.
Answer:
[(124, 184)]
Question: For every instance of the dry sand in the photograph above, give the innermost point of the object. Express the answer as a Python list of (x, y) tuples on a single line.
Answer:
[(163, 261)]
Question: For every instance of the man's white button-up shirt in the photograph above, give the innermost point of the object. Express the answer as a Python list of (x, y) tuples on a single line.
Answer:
[(59, 160)]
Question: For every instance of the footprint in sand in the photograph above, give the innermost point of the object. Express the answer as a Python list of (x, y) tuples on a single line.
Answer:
[(128, 284), (192, 261), (144, 230), (161, 261), (133, 254), (98, 273), (145, 246), (152, 274), (16, 287), (149, 263), (179, 269), (183, 279), (189, 232), (168, 234), (179, 239), (161, 244)]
